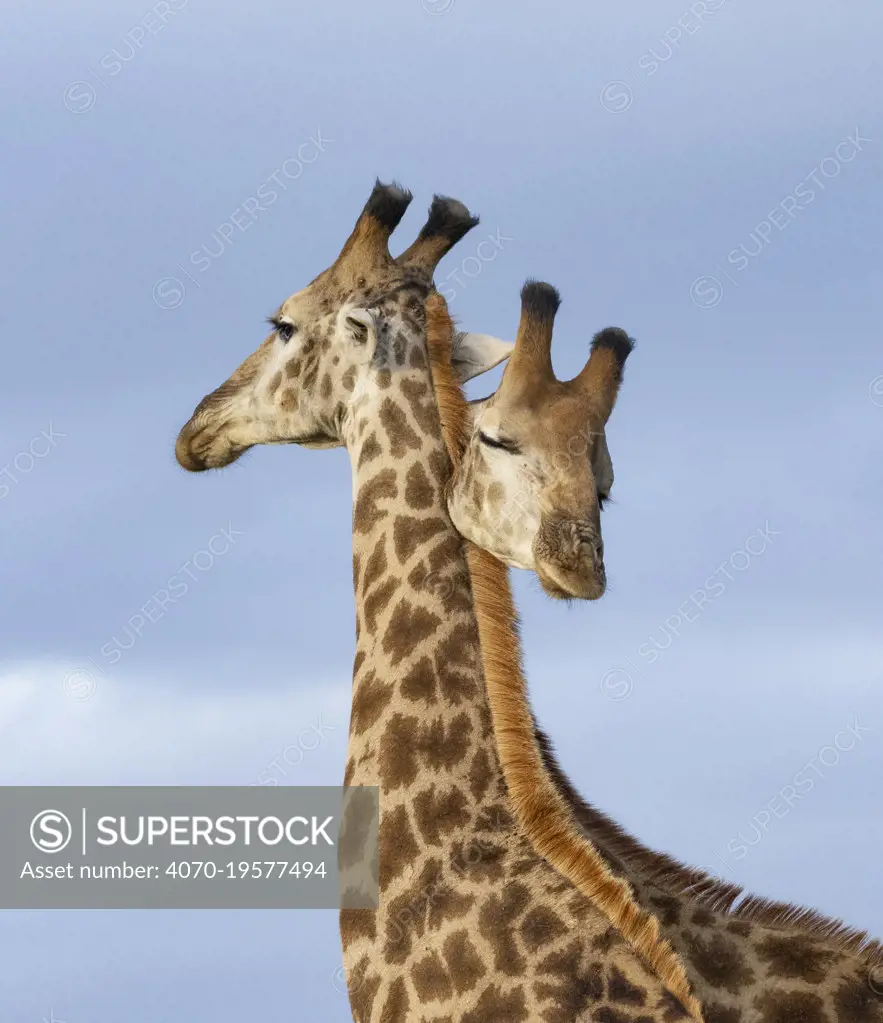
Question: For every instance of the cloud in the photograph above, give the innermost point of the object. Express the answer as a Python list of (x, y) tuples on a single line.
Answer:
[(167, 730)]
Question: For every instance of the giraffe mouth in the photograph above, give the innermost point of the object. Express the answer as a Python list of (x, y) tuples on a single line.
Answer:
[(565, 584), (195, 455), (553, 590), (198, 451)]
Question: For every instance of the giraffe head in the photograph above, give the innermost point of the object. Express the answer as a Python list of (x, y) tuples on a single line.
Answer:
[(536, 469), (336, 342)]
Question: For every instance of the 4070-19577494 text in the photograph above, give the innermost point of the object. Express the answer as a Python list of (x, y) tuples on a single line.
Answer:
[(184, 871)]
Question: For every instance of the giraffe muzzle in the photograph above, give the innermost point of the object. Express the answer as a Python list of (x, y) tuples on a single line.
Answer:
[(569, 559), (186, 456), (196, 450)]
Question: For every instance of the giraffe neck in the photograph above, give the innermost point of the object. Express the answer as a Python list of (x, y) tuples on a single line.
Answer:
[(419, 706)]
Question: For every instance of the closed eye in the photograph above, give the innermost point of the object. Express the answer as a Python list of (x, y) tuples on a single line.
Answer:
[(498, 442), (602, 500), (358, 328)]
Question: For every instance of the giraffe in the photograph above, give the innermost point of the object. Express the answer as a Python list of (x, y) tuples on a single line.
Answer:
[(758, 962), (473, 925)]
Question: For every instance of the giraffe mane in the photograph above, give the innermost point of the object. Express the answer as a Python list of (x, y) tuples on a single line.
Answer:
[(704, 889), (542, 811)]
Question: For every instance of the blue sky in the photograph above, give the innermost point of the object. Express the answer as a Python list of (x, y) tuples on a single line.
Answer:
[(705, 176)]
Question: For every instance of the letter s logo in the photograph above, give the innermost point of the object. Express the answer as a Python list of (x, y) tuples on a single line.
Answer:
[(51, 831)]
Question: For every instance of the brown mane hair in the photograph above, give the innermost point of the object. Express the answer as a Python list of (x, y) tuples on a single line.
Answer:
[(541, 810)]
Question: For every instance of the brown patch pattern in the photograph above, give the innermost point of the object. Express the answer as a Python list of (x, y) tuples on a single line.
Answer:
[(464, 964), (409, 626), (419, 492), (794, 957), (398, 846), (399, 432), (366, 513)]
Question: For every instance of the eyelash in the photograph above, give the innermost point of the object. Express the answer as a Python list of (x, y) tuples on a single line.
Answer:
[(503, 445), (285, 331)]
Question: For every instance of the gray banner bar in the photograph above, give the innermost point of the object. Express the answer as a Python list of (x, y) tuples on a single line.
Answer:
[(206, 847)]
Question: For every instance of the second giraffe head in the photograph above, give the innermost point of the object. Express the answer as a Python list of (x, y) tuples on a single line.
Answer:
[(536, 468)]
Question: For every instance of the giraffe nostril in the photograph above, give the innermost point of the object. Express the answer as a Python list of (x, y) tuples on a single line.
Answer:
[(589, 539), (186, 456)]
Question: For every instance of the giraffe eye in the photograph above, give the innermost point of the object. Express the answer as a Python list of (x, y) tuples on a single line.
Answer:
[(358, 329), (498, 442), (283, 330)]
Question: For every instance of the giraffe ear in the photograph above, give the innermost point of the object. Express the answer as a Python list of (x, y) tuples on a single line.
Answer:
[(473, 354)]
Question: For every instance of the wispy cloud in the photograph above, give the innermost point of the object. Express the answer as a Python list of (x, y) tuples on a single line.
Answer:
[(143, 731)]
